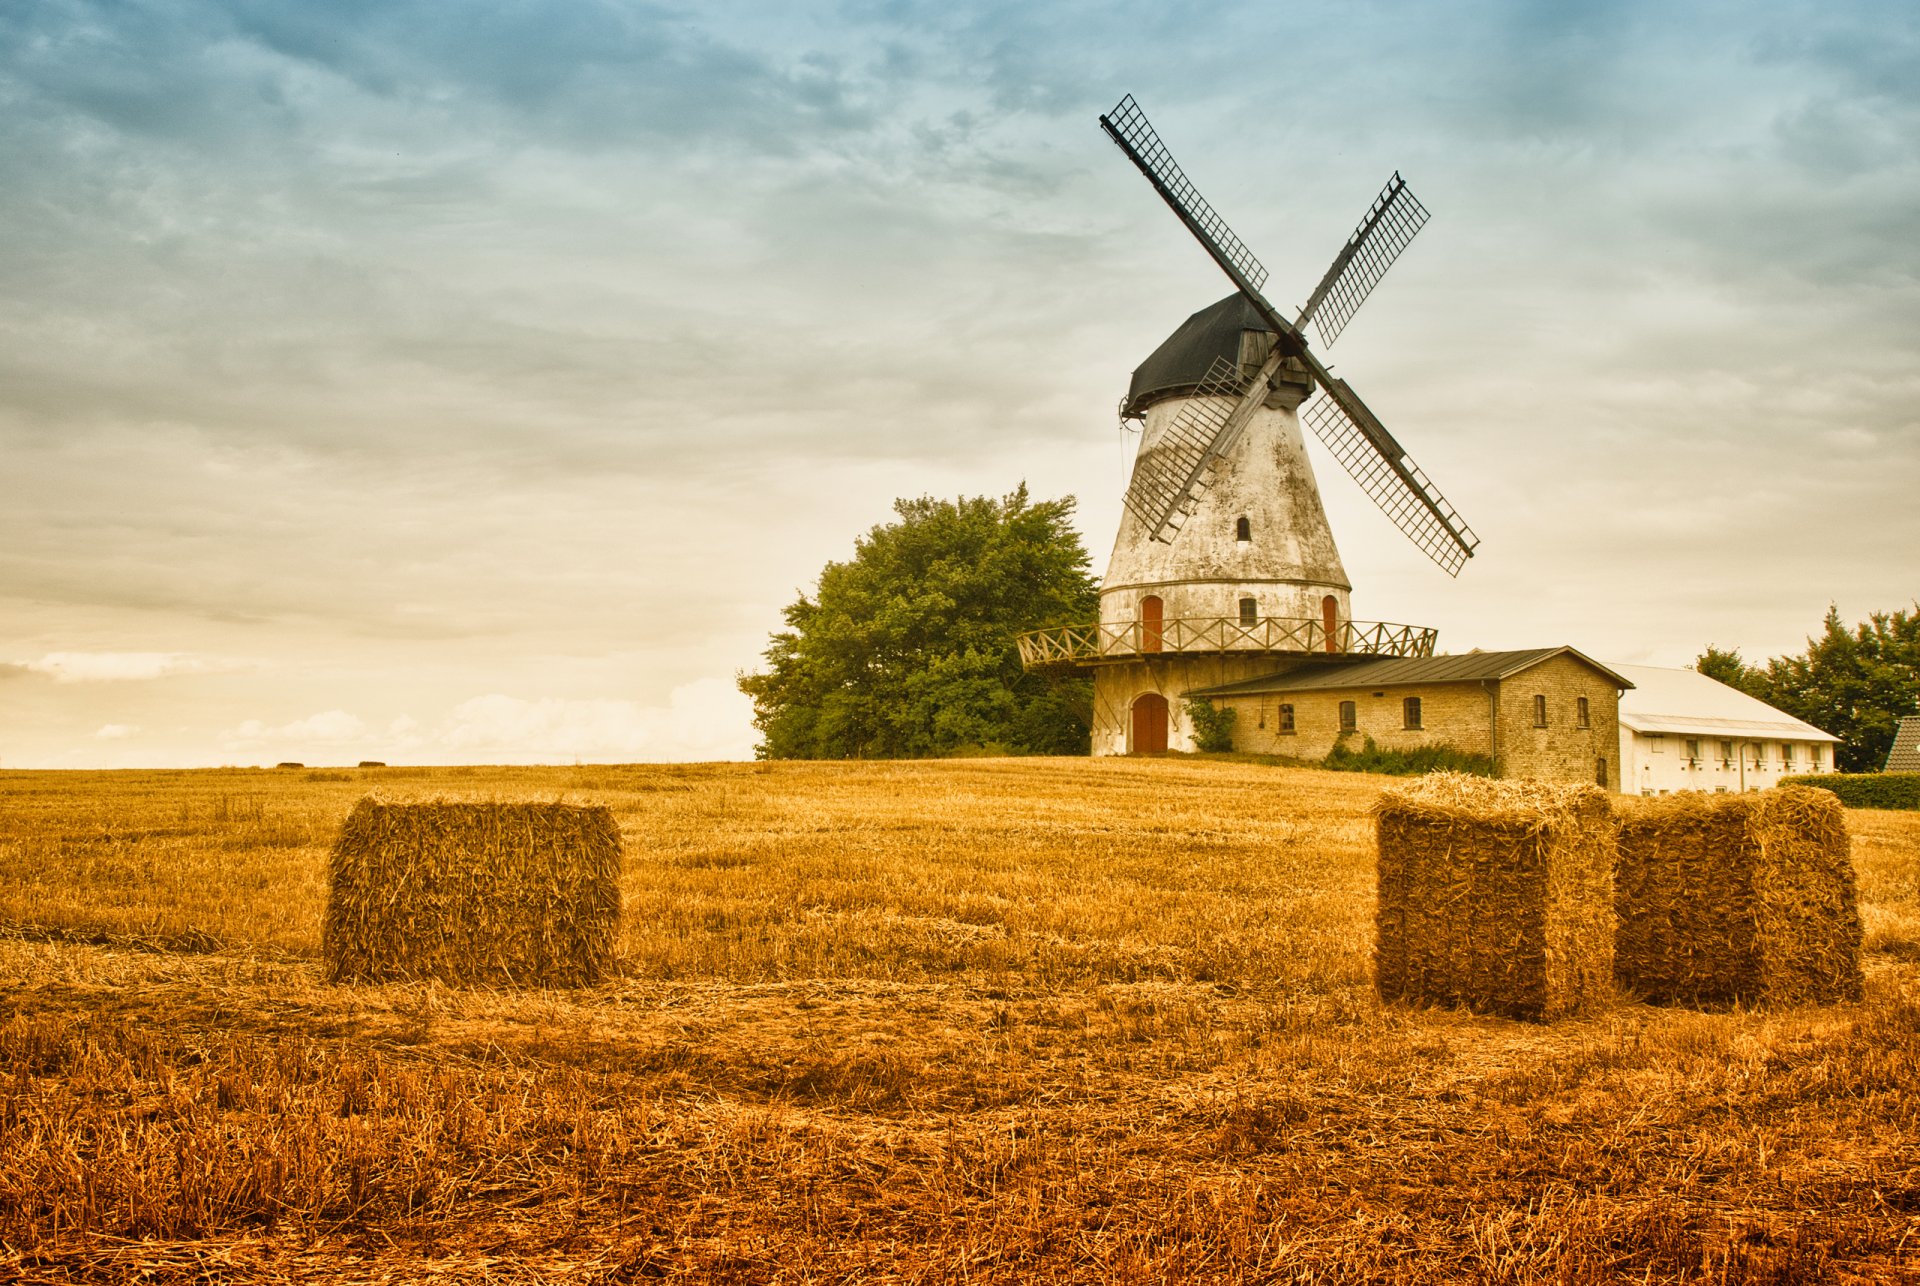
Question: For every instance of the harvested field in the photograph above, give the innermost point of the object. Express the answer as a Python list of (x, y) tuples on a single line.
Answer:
[(982, 1020)]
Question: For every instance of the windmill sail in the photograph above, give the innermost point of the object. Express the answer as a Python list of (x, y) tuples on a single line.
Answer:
[(1390, 225), (1128, 126), (1388, 474), (1169, 478)]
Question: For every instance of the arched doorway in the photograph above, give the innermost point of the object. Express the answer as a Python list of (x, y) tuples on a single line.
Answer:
[(1150, 724), (1330, 621), (1151, 617)]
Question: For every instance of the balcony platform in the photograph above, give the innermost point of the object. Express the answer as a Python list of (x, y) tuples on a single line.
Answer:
[(1071, 647)]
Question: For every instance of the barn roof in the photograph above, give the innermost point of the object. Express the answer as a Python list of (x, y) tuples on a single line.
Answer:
[(1182, 359), (1466, 667), (1905, 753), (1689, 703)]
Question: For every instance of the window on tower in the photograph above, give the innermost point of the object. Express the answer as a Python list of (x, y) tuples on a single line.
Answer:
[(1242, 530), (1249, 611)]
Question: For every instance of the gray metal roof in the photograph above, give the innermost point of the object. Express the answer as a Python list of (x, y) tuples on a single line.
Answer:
[(1904, 755), (1182, 360), (1467, 667)]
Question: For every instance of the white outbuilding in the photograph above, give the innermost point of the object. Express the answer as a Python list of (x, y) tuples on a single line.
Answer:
[(1680, 730)]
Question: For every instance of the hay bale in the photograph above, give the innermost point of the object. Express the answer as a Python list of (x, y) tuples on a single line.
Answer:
[(1495, 895), (1744, 898), (517, 894)]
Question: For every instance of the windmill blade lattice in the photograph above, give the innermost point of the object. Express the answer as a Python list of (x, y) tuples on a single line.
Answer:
[(1169, 480), (1389, 226), (1389, 476), (1127, 126)]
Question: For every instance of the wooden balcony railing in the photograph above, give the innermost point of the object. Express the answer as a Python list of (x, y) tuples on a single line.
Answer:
[(1074, 645)]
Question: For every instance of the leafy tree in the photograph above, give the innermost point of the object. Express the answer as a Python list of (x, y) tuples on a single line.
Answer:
[(1212, 725), (1855, 684), (1728, 668), (908, 649)]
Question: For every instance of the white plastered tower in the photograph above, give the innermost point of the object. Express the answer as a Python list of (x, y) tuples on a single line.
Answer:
[(1255, 552)]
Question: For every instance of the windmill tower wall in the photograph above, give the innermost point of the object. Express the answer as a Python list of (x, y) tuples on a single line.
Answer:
[(1258, 533)]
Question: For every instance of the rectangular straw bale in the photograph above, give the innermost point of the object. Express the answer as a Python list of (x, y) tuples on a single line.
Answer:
[(1495, 895), (499, 894), (1744, 898)]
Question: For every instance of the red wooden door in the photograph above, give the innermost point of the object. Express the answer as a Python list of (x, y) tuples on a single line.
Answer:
[(1151, 618), (1150, 724), (1330, 621)]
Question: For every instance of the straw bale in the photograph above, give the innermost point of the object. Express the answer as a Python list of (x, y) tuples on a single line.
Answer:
[(493, 893), (1738, 898), (1495, 895)]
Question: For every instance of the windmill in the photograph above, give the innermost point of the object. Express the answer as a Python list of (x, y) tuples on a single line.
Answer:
[(1224, 568), (1165, 489)]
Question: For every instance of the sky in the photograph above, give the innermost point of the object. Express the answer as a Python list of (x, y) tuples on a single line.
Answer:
[(475, 383)]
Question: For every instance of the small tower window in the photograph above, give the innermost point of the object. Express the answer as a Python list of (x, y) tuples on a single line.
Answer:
[(1539, 710), (1581, 716), (1600, 771), (1249, 611), (1410, 711), (1242, 530), (1349, 718)]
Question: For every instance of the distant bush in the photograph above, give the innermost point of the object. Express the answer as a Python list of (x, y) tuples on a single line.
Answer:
[(1212, 726), (1867, 789), (1405, 763)]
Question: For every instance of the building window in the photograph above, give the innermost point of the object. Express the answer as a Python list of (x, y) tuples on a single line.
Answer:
[(1813, 756), (1286, 718), (1786, 755), (1410, 711), (1243, 530), (1759, 754), (1693, 752), (1657, 744), (1349, 717), (1600, 770), (1249, 611), (1726, 754), (1539, 710), (1582, 717)]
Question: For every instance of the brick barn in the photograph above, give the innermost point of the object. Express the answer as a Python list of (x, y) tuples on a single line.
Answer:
[(1550, 713)]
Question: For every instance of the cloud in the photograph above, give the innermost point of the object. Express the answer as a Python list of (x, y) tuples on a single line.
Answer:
[(123, 667), (705, 719), (117, 731), (328, 728)]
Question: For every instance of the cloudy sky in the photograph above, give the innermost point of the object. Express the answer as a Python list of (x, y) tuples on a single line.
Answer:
[(439, 383)]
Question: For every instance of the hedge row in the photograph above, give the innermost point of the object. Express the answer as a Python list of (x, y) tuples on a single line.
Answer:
[(1867, 789)]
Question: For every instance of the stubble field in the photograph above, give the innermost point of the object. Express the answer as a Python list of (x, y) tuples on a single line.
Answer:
[(1039, 1020)]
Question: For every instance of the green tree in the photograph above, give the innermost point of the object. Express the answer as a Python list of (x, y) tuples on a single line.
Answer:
[(1855, 684), (908, 649), (1728, 668)]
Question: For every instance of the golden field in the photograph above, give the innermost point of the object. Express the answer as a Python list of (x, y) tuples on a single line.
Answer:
[(981, 1020)]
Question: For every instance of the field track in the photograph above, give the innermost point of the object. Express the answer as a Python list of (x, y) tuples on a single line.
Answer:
[(981, 1020)]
